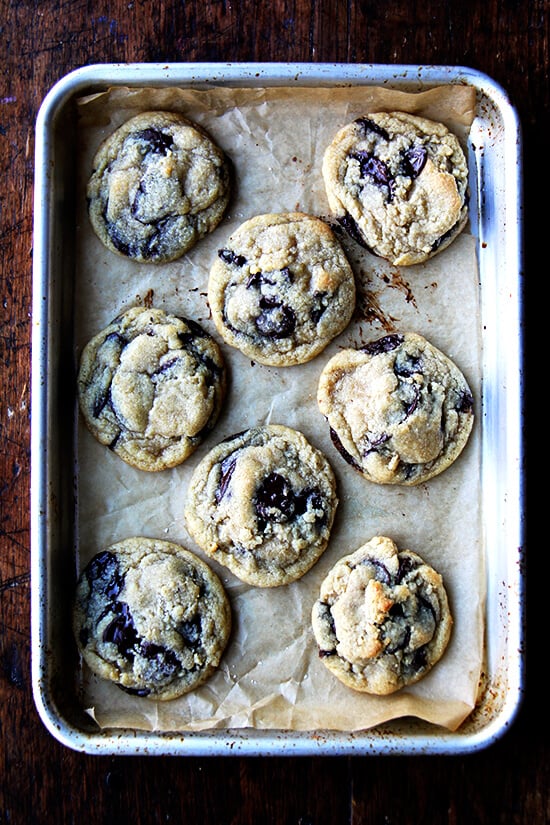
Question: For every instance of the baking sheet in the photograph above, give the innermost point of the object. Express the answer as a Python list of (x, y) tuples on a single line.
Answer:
[(271, 675), (389, 299)]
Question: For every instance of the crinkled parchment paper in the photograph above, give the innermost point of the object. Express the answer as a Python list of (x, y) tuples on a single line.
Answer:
[(271, 676)]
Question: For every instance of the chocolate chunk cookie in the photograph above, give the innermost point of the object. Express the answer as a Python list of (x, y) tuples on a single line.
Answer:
[(399, 410), (399, 184), (281, 289), (382, 619), (159, 184), (151, 386), (262, 503), (152, 617)]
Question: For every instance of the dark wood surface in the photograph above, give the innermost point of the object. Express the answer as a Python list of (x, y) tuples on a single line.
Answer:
[(41, 781)]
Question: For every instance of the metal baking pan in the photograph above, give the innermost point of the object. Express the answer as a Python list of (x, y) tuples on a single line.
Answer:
[(496, 208)]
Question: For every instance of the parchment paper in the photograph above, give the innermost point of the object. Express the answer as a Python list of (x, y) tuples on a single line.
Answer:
[(271, 676)]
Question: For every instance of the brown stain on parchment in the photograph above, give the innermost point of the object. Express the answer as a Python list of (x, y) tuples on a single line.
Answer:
[(369, 305)]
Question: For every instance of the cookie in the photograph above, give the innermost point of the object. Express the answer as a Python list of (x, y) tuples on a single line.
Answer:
[(152, 617), (151, 386), (399, 184), (281, 289), (262, 503), (399, 410), (159, 184), (382, 619)]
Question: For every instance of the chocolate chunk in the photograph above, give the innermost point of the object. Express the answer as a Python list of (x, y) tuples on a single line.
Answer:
[(121, 631), (375, 441), (103, 574), (413, 162), (407, 365), (414, 397), (368, 125), (227, 469), (230, 257), (385, 344), (373, 167), (438, 241), (400, 640), (135, 691), (382, 573), (353, 230), (275, 499), (465, 403), (191, 632), (420, 659), (319, 306), (342, 450), (406, 566), (277, 320), (158, 143), (165, 659)]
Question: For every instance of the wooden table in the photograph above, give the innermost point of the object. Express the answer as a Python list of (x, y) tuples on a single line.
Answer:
[(41, 781)]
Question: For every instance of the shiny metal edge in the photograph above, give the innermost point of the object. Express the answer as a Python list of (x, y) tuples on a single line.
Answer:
[(501, 266)]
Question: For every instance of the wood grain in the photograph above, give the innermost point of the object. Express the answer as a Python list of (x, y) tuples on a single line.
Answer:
[(40, 780)]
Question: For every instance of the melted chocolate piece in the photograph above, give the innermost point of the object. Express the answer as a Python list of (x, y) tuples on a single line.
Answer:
[(230, 257), (406, 566), (103, 396), (195, 329), (121, 631), (438, 241), (143, 248), (407, 365), (255, 281), (167, 366), (368, 125), (158, 143), (420, 659), (276, 501), (353, 230), (414, 392), (166, 660), (135, 691), (375, 441), (426, 605), (191, 632), (375, 169), (404, 636), (103, 574), (277, 320), (319, 306), (324, 653), (385, 344), (382, 572), (342, 450), (465, 403), (227, 468), (413, 162)]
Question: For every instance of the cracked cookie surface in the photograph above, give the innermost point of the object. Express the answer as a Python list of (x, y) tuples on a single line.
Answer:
[(151, 386), (262, 503), (282, 288), (151, 617), (399, 410), (382, 619), (159, 184), (398, 183)]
